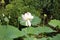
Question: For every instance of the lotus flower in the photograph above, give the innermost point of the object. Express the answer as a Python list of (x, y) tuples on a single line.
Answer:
[(27, 17)]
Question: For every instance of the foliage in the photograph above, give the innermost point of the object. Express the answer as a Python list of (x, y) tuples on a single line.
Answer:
[(8, 32), (55, 23), (31, 30), (57, 37), (12, 16)]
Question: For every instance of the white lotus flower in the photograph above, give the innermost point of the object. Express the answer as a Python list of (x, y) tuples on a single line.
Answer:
[(27, 17)]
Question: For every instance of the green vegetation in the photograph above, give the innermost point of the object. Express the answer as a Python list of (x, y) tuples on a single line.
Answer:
[(45, 24)]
